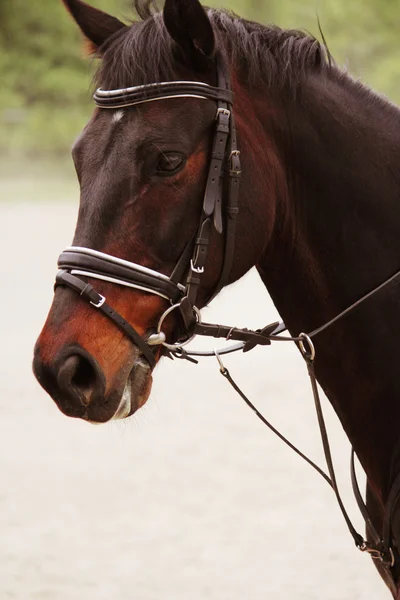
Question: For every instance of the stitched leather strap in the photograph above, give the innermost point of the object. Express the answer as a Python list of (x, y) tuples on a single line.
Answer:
[(212, 205), (213, 192), (231, 209), (253, 338), (157, 91)]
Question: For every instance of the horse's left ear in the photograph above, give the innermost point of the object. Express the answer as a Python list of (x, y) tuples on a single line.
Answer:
[(189, 26)]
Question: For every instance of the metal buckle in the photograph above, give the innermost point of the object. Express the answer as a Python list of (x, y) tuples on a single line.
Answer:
[(99, 303), (232, 171), (378, 554), (196, 269), (222, 111)]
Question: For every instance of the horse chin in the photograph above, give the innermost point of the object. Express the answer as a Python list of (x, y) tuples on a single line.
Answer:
[(135, 393)]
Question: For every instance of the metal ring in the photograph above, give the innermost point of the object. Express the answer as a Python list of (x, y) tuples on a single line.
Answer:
[(308, 354), (165, 315)]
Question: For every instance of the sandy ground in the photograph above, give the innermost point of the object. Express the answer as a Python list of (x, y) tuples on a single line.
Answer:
[(192, 498)]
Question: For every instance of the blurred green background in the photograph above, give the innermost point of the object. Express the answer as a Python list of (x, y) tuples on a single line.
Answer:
[(45, 82)]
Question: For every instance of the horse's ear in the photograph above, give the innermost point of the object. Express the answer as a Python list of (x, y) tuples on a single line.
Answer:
[(96, 25), (189, 26)]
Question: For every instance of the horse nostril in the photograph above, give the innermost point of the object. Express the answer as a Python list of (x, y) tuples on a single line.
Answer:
[(81, 376)]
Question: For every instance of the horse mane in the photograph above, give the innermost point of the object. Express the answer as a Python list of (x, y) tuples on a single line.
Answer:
[(144, 52)]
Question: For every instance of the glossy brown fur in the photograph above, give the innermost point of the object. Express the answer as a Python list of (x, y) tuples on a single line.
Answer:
[(319, 213)]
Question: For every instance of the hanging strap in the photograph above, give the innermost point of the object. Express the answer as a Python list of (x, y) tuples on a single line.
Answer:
[(376, 550), (358, 539), (360, 502)]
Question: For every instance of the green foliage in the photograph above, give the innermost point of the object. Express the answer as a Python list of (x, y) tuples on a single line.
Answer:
[(45, 79)]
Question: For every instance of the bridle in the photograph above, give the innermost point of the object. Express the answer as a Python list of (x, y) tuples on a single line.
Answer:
[(219, 212), (181, 287)]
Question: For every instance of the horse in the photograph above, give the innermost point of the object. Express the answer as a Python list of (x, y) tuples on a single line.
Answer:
[(190, 102)]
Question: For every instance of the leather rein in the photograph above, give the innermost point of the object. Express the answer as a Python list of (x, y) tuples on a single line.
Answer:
[(220, 209)]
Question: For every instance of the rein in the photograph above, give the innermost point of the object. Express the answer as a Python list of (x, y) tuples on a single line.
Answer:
[(220, 209)]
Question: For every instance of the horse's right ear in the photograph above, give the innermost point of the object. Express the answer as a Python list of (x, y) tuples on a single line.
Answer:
[(96, 25), (189, 26)]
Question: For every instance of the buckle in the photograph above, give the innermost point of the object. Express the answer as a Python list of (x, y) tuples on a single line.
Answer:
[(234, 160), (223, 111), (196, 269), (101, 301), (385, 557)]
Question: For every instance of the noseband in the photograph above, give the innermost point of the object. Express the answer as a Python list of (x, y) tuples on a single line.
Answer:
[(180, 288)]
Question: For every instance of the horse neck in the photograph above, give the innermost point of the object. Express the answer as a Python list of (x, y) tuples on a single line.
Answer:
[(335, 238)]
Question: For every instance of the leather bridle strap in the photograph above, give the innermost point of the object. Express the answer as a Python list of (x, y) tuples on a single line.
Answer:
[(224, 156), (231, 208), (376, 539), (358, 539), (392, 501), (88, 293), (379, 550), (140, 94), (249, 337)]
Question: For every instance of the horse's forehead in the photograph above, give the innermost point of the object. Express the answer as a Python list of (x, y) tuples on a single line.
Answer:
[(101, 126), (105, 141), (113, 145), (109, 131)]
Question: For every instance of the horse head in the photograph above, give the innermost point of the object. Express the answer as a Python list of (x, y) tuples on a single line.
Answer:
[(159, 233), (143, 163)]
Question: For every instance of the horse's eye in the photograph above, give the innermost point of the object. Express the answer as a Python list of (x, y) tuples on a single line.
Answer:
[(169, 163)]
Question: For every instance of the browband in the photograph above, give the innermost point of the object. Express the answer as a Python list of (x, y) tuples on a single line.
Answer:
[(157, 91)]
